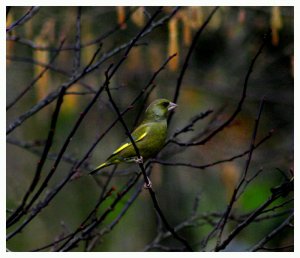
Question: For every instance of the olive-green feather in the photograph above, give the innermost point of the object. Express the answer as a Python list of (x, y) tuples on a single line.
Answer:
[(149, 136)]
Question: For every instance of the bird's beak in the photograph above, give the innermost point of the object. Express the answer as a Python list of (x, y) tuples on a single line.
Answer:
[(172, 106)]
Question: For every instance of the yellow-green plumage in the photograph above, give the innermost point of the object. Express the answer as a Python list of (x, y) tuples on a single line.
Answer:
[(149, 136)]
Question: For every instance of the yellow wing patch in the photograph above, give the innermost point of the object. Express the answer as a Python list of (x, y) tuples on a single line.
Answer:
[(128, 144), (122, 148), (141, 137)]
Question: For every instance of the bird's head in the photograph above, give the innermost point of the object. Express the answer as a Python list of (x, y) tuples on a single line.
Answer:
[(159, 109)]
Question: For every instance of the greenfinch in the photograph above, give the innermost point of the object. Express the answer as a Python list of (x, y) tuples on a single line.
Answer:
[(149, 136)]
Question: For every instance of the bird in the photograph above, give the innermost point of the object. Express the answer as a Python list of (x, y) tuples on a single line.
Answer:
[(149, 136)]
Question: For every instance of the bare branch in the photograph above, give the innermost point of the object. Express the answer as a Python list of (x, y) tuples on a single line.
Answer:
[(188, 56), (52, 96), (56, 163), (27, 16), (151, 81), (240, 104), (286, 187), (76, 60), (41, 163), (96, 41), (86, 230), (39, 76), (166, 163), (236, 190), (48, 99), (274, 232), (51, 68)]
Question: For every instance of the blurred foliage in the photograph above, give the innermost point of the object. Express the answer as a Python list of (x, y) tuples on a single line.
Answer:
[(214, 80)]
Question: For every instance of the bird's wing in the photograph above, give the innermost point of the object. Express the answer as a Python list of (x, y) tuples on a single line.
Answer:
[(138, 134)]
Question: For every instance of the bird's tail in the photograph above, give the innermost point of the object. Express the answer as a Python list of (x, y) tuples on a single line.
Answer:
[(103, 165)]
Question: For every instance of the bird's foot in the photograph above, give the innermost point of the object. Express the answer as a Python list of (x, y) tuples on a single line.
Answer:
[(149, 184), (138, 160)]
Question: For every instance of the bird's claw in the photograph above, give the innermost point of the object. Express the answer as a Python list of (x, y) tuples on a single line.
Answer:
[(139, 160), (149, 184)]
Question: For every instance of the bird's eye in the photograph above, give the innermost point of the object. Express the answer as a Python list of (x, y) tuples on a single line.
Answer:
[(165, 104)]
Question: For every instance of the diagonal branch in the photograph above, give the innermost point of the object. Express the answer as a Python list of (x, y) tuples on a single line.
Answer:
[(95, 41), (52, 96), (237, 189), (184, 164), (28, 15), (39, 76), (286, 187), (274, 232), (76, 60), (240, 104), (41, 163), (187, 59)]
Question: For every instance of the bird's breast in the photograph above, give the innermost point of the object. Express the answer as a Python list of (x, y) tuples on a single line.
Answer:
[(155, 139)]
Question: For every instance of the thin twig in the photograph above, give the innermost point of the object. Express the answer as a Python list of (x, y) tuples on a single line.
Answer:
[(189, 126), (76, 60), (56, 163), (278, 206), (240, 104), (54, 167), (31, 147), (48, 99), (91, 214), (39, 76), (52, 96), (188, 56), (287, 187), (111, 226), (236, 190), (95, 41), (41, 163), (88, 228), (151, 81), (51, 68), (28, 15), (184, 164), (274, 232)]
